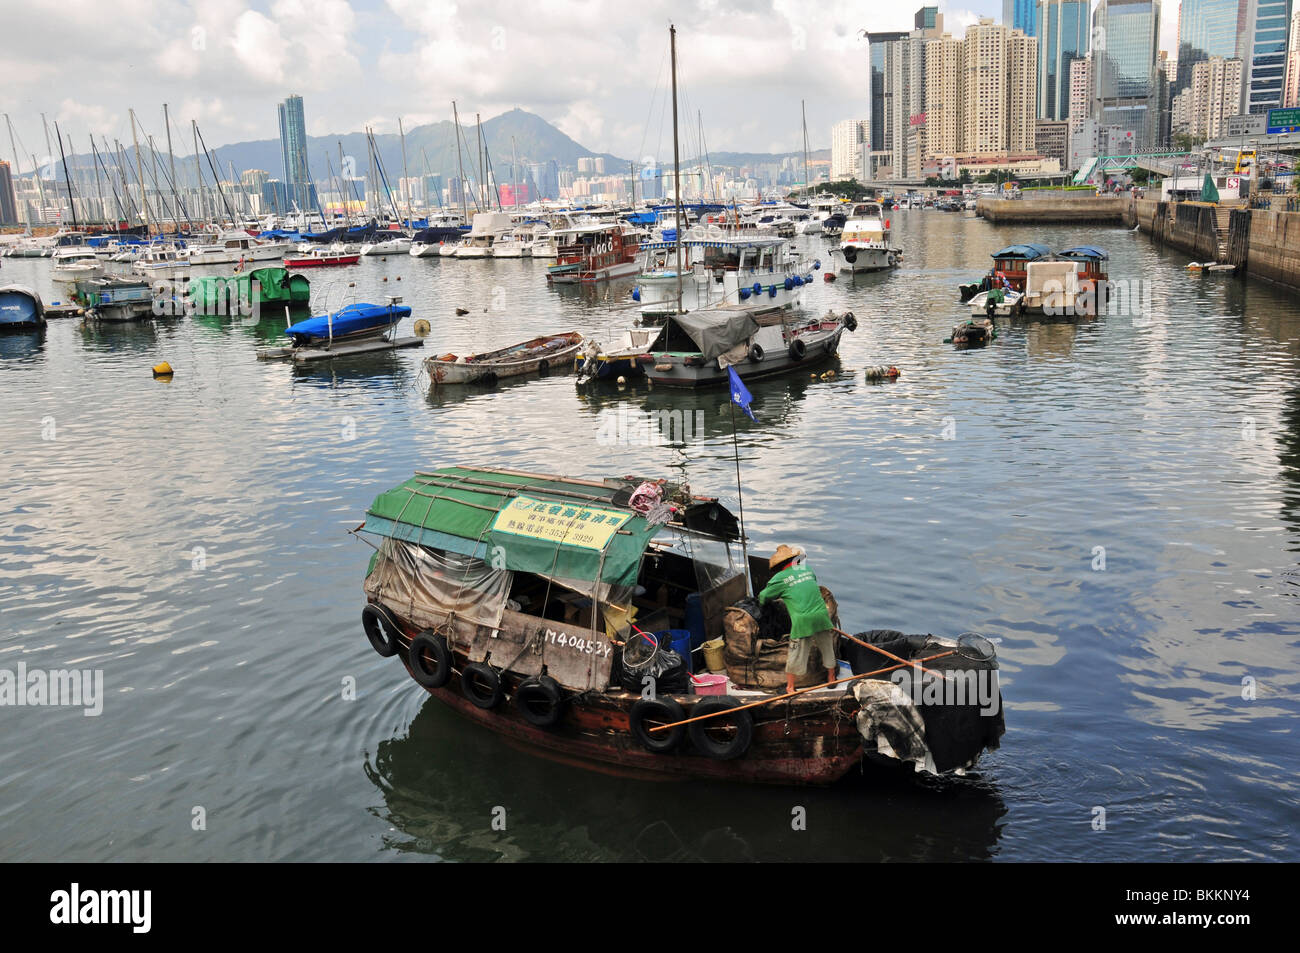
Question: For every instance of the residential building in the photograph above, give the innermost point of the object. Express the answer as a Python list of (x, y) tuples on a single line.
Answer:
[(1063, 35), (904, 94), (1291, 90), (1128, 87), (1081, 89), (1052, 140), (1000, 89), (1213, 96), (945, 70), (1265, 51), (847, 141)]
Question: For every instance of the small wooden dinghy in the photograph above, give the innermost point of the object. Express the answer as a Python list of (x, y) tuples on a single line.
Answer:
[(538, 355)]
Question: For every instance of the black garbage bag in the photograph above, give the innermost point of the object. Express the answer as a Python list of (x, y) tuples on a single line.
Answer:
[(955, 733), (666, 667)]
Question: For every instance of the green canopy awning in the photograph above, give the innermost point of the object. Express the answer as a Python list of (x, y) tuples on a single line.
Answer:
[(521, 522)]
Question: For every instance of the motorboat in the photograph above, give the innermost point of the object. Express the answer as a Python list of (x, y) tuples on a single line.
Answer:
[(865, 241), (353, 322), (20, 307)]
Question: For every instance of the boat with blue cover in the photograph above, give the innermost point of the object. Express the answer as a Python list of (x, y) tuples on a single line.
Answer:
[(355, 322), (20, 308)]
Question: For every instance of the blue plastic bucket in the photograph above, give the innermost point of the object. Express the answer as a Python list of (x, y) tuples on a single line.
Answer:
[(679, 640)]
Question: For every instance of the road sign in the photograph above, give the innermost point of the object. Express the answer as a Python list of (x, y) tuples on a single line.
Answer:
[(1283, 120), (1246, 126), (1233, 182)]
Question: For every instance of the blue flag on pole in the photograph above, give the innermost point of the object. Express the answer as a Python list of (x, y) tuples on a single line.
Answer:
[(740, 395)]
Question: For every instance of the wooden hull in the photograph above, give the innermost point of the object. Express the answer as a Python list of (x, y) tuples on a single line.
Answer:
[(813, 742), (331, 262), (488, 371)]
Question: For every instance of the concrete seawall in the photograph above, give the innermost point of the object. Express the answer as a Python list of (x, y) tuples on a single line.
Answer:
[(1263, 244), (1093, 210)]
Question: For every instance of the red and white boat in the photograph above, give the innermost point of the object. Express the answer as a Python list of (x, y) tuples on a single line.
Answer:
[(325, 257), (591, 253)]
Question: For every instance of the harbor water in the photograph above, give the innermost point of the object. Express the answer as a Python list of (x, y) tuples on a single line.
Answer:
[(1114, 500)]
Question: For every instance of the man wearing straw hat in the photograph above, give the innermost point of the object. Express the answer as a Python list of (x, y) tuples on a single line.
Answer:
[(810, 624)]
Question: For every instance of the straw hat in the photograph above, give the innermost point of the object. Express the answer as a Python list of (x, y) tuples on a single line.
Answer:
[(783, 554)]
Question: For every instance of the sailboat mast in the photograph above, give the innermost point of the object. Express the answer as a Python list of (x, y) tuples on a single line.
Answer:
[(807, 185), (482, 181), (198, 171), (14, 149), (72, 205), (406, 176), (460, 161), (677, 170), (139, 172), (171, 163)]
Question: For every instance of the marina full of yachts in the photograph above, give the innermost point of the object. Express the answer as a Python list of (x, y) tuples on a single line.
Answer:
[(734, 269)]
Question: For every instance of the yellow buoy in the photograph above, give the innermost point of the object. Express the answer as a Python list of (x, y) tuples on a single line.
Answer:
[(421, 327), (162, 370)]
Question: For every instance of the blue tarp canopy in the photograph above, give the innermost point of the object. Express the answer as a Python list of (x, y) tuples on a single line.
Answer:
[(1085, 251), (1028, 251)]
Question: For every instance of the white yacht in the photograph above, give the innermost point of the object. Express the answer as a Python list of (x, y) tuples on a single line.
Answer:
[(864, 242), (75, 263), (761, 273), (398, 245), (486, 229)]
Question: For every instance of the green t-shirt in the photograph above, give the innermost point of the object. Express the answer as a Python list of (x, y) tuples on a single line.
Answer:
[(797, 587)]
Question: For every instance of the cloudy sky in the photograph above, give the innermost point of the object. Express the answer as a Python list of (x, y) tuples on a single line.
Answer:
[(595, 68)]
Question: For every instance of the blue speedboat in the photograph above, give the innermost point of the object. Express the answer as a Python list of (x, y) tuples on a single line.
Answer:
[(356, 322), (20, 308)]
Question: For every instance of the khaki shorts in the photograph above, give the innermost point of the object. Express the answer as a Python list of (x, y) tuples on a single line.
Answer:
[(801, 651)]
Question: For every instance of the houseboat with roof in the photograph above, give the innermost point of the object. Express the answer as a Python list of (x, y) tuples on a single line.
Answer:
[(540, 606), (587, 254)]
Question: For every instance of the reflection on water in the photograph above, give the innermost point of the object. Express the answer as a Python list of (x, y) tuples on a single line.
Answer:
[(1118, 504), (594, 817)]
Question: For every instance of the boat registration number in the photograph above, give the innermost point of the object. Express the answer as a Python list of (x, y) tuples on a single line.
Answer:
[(599, 649)]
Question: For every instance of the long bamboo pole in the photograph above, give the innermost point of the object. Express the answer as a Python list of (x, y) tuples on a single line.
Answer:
[(801, 691)]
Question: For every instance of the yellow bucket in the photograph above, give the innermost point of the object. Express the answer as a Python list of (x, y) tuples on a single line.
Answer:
[(713, 655)]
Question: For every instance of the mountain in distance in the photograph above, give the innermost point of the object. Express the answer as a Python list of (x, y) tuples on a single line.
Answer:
[(430, 148)]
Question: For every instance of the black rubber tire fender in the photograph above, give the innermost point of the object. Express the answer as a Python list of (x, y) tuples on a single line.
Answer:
[(850, 321), (425, 647), (480, 683), (380, 629), (658, 710), (756, 353), (540, 700), (721, 750), (798, 350), (543, 367)]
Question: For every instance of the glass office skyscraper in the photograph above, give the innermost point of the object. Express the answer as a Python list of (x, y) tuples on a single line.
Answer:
[(1209, 28), (1062, 39), (1129, 87), (1021, 15), (293, 148), (878, 108), (1265, 38)]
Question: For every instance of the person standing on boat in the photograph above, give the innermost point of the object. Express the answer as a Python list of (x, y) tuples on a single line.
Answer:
[(810, 623)]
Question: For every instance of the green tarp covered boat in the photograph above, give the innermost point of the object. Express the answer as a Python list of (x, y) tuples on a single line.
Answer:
[(237, 294), (543, 608)]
